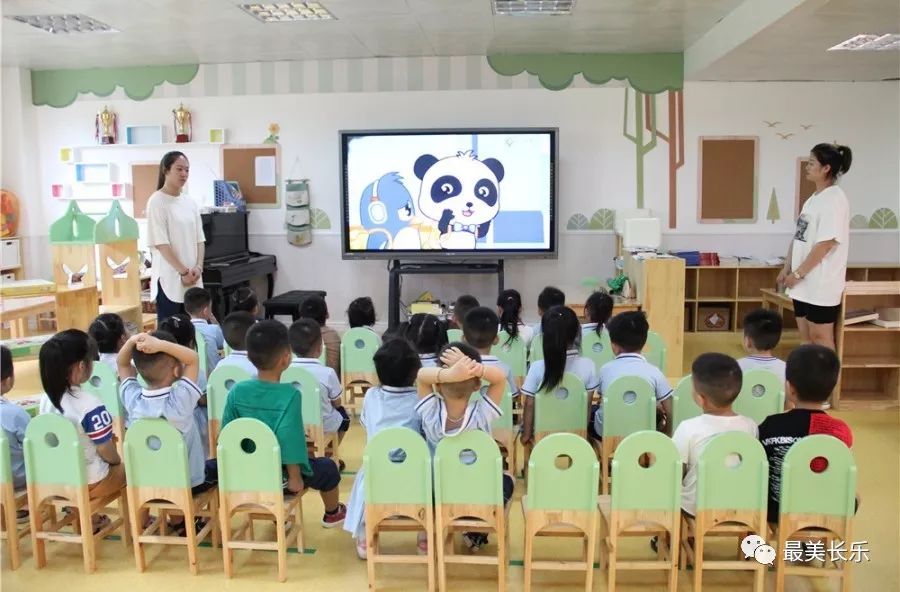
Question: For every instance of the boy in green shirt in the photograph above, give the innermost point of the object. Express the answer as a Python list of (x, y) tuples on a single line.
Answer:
[(278, 406)]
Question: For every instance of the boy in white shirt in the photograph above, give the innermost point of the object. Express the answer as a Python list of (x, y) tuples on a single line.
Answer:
[(762, 332), (235, 329), (716, 383), (198, 304)]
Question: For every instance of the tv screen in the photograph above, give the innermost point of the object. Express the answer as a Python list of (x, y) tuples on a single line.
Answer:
[(461, 193)]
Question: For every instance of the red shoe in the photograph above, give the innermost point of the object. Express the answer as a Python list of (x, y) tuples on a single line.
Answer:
[(335, 519)]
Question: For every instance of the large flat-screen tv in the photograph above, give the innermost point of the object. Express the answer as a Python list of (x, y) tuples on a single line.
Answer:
[(449, 193)]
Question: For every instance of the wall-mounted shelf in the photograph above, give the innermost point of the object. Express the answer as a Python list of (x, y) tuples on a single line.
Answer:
[(143, 135), (173, 145), (93, 172)]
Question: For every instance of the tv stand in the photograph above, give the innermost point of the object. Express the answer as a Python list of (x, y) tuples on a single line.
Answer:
[(398, 269)]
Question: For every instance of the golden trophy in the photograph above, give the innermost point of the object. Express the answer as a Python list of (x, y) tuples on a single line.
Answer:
[(105, 128), (182, 124)]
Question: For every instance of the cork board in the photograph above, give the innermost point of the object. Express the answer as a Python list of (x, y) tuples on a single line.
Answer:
[(144, 177), (727, 181), (805, 187), (239, 163)]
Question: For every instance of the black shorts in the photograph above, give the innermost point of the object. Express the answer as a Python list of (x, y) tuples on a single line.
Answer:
[(325, 475), (210, 478), (345, 423), (813, 313)]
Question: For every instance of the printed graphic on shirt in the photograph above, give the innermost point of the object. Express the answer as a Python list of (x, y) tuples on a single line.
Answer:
[(802, 226), (97, 424)]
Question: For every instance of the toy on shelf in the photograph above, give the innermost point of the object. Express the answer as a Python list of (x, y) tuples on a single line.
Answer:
[(9, 213), (116, 234), (72, 241), (106, 127)]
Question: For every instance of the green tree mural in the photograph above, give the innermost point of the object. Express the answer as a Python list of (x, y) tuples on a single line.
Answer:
[(319, 219), (577, 222), (603, 219), (883, 218), (637, 138), (674, 137), (859, 221), (773, 214)]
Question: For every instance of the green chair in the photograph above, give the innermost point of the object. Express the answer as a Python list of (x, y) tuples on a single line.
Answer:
[(731, 501), (468, 491), (536, 351), (56, 476), (504, 431), (565, 409), (645, 502), (323, 357), (563, 474), (104, 383), (12, 501), (818, 501), (513, 354), (655, 350), (311, 408), (156, 467), (220, 382), (454, 335), (399, 496), (597, 347), (762, 395), (683, 404), (250, 484), (201, 352), (358, 347), (629, 406)]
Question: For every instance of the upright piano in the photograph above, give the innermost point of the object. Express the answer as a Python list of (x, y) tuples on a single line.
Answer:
[(228, 262)]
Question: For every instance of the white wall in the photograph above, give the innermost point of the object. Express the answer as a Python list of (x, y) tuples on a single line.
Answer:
[(596, 166)]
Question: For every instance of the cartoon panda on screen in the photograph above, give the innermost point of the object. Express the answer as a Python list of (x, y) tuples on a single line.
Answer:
[(461, 194)]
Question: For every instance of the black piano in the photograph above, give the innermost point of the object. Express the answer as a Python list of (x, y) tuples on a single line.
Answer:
[(228, 262)]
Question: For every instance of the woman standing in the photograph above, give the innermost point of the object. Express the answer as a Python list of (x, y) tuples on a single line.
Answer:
[(175, 233), (816, 265)]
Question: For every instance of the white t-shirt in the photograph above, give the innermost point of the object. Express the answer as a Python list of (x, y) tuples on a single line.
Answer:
[(173, 221), (825, 216), (691, 437), (93, 423), (770, 363)]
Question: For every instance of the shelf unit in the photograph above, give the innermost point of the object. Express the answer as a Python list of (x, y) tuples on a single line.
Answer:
[(870, 355), (737, 289)]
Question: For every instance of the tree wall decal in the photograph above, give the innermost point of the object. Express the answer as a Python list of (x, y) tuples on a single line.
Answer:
[(773, 214), (640, 148), (674, 137)]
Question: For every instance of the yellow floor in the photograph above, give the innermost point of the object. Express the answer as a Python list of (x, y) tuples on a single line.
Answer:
[(333, 564)]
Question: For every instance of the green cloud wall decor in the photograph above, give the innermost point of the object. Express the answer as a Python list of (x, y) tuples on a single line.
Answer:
[(60, 88)]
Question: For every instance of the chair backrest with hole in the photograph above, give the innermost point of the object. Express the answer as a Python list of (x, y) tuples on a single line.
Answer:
[(567, 483), (310, 393), (468, 469), (563, 409), (536, 350), (732, 473), (514, 354), (597, 347), (629, 405), (683, 404), (818, 476), (156, 455), (762, 395), (358, 347), (654, 487), (222, 379), (104, 383), (454, 335), (395, 477), (53, 452), (249, 457), (655, 350), (200, 340)]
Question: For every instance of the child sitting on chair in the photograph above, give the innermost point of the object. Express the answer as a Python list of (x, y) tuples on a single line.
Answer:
[(597, 310), (13, 420), (390, 405), (244, 300), (480, 331), (548, 298), (762, 332), (305, 337), (108, 330), (277, 405), (448, 407), (461, 308), (810, 376), (628, 335), (361, 313), (716, 382), (235, 329), (509, 307), (428, 334), (560, 334), (171, 393), (198, 304), (316, 308)]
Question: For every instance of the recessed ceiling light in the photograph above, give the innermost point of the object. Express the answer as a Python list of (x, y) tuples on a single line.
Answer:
[(533, 7), (63, 23), (867, 42), (278, 12)]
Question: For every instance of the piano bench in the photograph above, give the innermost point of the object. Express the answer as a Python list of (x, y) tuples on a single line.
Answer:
[(289, 303)]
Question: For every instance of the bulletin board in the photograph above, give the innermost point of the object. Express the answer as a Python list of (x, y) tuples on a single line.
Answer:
[(144, 177), (805, 187), (257, 169), (728, 167)]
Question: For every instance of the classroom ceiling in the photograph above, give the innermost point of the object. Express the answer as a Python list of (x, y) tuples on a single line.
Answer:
[(217, 31)]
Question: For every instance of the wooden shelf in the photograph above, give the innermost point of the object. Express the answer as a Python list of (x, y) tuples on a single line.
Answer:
[(118, 308), (868, 328), (750, 300), (871, 362), (867, 401), (716, 299)]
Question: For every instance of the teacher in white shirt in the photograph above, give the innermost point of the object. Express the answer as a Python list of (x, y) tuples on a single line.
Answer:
[(816, 265), (175, 235)]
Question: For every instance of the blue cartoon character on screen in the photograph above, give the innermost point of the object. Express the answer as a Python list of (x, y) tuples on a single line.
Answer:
[(385, 211), (460, 193)]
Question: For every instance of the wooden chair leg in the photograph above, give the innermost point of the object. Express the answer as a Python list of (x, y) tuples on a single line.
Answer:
[(280, 536), (12, 533), (191, 532), (611, 557), (372, 551), (590, 541), (137, 528), (674, 552), (502, 548), (529, 552), (36, 520), (227, 551), (604, 472), (779, 560), (429, 531), (441, 542), (88, 547)]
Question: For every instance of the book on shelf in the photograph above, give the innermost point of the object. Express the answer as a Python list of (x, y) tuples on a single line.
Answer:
[(886, 324), (851, 317)]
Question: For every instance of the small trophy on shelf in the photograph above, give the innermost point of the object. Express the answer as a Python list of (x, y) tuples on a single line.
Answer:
[(182, 124), (105, 127)]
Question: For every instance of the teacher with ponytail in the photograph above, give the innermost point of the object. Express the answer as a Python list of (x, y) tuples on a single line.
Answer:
[(175, 234), (816, 265)]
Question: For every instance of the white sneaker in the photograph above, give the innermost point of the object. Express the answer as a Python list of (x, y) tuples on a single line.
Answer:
[(361, 549)]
